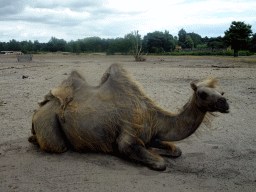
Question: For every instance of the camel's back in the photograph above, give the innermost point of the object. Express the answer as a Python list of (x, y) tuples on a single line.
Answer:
[(96, 115)]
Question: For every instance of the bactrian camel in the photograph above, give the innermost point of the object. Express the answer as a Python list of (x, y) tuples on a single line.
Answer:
[(118, 116)]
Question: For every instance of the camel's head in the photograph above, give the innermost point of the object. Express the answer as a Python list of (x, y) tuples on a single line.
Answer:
[(208, 97)]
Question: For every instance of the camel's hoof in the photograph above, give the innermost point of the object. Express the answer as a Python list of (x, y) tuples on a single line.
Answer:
[(159, 166), (177, 152), (168, 153)]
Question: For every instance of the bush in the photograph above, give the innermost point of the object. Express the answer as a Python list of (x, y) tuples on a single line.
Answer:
[(245, 53), (110, 52), (32, 52)]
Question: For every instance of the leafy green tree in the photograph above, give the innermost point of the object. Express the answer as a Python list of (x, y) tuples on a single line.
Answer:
[(238, 36), (155, 50), (216, 42), (189, 42), (14, 45), (73, 47), (52, 44), (175, 41), (252, 45), (44, 47), (2, 46), (93, 44), (111, 48), (36, 46), (157, 40), (124, 45), (169, 42), (201, 46), (196, 38), (26, 46), (68, 47), (56, 44), (182, 37), (205, 40)]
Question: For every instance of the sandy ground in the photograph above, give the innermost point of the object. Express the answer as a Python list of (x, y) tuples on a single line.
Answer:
[(222, 158)]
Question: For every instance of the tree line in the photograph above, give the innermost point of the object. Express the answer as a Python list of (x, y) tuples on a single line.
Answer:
[(238, 36)]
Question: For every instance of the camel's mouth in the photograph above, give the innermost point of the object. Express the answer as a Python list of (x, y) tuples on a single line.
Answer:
[(225, 111), (222, 105)]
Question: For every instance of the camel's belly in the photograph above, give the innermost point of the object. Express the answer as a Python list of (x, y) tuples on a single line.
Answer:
[(88, 132)]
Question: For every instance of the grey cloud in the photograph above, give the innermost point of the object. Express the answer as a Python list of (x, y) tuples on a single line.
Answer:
[(104, 13), (76, 5), (80, 5), (11, 7), (47, 19), (13, 11)]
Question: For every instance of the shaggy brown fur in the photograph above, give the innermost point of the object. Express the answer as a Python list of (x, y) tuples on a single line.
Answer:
[(119, 114)]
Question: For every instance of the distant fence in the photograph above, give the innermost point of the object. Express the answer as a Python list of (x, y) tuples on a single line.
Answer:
[(25, 58)]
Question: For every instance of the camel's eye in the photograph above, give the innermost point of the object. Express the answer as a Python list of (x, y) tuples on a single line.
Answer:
[(222, 93), (203, 95)]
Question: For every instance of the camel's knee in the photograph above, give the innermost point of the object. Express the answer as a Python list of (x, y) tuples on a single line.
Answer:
[(128, 146), (52, 149), (46, 146), (124, 144)]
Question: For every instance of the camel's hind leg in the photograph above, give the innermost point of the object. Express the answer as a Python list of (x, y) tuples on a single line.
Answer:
[(127, 145), (167, 148), (46, 129)]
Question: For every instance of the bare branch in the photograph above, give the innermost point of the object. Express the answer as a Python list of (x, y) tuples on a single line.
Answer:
[(137, 48)]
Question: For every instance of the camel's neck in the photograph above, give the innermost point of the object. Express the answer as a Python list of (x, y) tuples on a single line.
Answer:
[(185, 123)]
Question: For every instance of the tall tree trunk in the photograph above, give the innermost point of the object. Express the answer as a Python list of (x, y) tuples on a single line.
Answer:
[(235, 52)]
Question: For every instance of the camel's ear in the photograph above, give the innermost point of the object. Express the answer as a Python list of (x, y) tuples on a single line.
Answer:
[(193, 86)]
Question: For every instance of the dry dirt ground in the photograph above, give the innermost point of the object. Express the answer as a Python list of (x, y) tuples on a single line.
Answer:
[(220, 158)]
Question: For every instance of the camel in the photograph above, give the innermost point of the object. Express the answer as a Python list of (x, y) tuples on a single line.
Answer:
[(118, 116)]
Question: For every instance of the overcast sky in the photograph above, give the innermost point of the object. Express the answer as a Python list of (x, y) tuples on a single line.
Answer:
[(78, 19)]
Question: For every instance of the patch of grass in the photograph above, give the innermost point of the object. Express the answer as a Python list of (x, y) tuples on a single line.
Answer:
[(110, 52), (203, 53), (44, 52), (33, 52)]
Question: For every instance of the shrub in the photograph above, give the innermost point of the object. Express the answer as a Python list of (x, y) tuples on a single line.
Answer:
[(33, 52), (110, 52), (245, 53)]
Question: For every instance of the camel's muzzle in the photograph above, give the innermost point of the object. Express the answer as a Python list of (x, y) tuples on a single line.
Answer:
[(222, 105)]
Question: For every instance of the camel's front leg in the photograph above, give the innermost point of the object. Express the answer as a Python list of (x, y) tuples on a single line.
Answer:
[(168, 148), (128, 146)]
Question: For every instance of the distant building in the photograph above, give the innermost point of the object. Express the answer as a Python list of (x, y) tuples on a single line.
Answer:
[(6, 52), (12, 52)]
